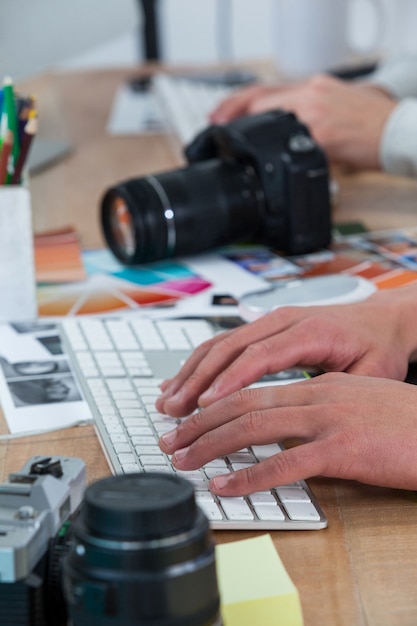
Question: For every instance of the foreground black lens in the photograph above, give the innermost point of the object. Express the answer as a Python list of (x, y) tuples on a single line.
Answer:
[(184, 212), (142, 555)]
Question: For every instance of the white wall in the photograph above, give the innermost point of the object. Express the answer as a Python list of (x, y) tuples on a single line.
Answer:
[(189, 27), (38, 34)]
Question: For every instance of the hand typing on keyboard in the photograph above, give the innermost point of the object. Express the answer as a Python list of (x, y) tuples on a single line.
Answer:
[(350, 426), (119, 364)]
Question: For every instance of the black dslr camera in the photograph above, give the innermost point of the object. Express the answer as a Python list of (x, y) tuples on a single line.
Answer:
[(261, 178), (130, 550)]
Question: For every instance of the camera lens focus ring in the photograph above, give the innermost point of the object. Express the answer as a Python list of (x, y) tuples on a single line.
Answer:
[(139, 507)]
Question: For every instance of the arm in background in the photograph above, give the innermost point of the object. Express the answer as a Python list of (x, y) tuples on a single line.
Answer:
[(365, 124)]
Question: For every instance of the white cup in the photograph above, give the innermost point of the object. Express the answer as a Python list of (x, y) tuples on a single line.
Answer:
[(314, 35)]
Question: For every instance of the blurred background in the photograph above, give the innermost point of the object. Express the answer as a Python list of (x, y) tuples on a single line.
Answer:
[(37, 36)]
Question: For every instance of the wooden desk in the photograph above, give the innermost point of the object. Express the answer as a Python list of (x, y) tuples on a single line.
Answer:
[(360, 571)]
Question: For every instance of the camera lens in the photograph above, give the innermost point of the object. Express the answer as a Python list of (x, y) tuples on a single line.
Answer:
[(182, 212), (142, 554)]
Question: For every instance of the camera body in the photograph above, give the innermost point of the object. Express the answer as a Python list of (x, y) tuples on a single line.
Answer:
[(261, 178), (292, 172), (35, 505)]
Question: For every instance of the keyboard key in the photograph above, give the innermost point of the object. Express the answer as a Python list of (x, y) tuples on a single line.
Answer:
[(291, 494), (127, 413), (266, 512), (135, 421), (142, 440), (128, 404), (122, 335), (124, 395), (139, 430), (241, 457), (158, 468), (236, 509), (174, 336), (118, 438), (122, 447), (148, 450), (147, 335), (211, 510), (126, 457), (154, 459), (110, 419), (301, 511), (114, 429), (266, 451), (119, 384), (130, 468), (212, 472), (262, 497)]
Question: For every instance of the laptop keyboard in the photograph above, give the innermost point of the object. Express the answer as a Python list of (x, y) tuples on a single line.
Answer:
[(119, 364)]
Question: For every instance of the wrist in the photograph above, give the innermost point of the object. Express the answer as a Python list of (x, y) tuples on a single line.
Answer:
[(401, 305)]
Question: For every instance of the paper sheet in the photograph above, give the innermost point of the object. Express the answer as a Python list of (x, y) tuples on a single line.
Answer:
[(38, 389)]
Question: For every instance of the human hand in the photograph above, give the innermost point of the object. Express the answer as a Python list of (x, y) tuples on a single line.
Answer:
[(346, 119), (350, 427), (375, 337)]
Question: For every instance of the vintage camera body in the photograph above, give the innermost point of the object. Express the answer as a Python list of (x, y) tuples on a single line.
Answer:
[(129, 550), (36, 504), (261, 178)]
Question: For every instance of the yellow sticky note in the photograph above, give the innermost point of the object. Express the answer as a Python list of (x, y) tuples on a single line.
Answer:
[(254, 585)]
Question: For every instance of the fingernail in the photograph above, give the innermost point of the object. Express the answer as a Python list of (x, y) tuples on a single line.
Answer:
[(168, 388), (169, 437), (208, 394), (177, 397), (164, 385), (180, 454), (220, 482)]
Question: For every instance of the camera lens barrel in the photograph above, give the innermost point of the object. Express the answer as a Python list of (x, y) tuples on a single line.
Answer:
[(182, 212), (142, 554)]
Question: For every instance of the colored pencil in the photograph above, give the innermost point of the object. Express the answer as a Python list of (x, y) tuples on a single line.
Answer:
[(9, 117), (29, 132), (25, 109), (5, 153)]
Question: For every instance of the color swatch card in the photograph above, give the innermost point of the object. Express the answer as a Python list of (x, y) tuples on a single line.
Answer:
[(110, 287), (58, 257), (388, 259)]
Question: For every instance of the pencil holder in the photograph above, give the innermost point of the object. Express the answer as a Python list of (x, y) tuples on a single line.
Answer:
[(17, 269)]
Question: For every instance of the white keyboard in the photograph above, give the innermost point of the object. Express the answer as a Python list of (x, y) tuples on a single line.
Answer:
[(120, 364), (186, 103)]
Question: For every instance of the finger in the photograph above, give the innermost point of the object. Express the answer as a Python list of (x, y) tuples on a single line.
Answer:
[(180, 393), (171, 386), (201, 369), (236, 104), (274, 99), (302, 345), (246, 418), (288, 466)]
